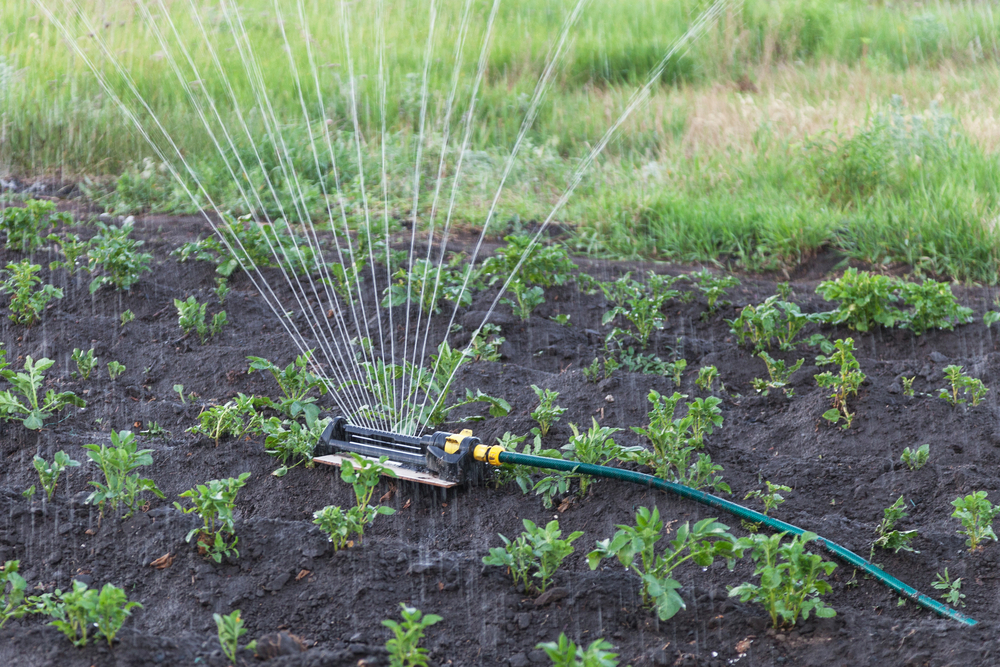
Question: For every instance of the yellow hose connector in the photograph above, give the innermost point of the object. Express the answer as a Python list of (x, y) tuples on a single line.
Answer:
[(487, 453)]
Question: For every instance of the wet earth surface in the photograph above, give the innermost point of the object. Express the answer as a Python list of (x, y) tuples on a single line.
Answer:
[(429, 553)]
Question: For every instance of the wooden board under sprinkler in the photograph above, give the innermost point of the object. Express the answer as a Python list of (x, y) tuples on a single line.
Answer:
[(401, 472)]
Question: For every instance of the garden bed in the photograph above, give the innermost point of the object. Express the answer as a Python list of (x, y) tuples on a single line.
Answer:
[(429, 553)]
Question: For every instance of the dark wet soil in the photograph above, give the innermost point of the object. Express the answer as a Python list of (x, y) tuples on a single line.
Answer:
[(288, 579)]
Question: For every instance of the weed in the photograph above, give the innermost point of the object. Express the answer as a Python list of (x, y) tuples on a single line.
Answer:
[(953, 594), (118, 256), (540, 549), (769, 496), (12, 588), (214, 502), (404, 647), (48, 473), (26, 302), (706, 541), (525, 300), (713, 287), (293, 444), (23, 404), (865, 299), (295, 381), (235, 418), (908, 386), (791, 580), (544, 264), (933, 307), (962, 383), (565, 653), (778, 373), (976, 513), (706, 377), (115, 369), (230, 628), (547, 412), (117, 463), (80, 609), (915, 459), (24, 226), (127, 316), (844, 384), (889, 538)]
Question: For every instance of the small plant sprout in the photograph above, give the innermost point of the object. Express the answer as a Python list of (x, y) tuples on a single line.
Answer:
[(230, 629), (962, 386), (339, 525), (908, 386), (866, 299), (779, 375), (115, 369), (117, 462), (915, 459), (525, 300), (404, 646), (486, 344), (769, 495), (23, 403), (363, 475), (952, 594), (844, 383), (991, 317), (675, 371), (77, 611), (976, 513), (191, 318), (24, 226), (179, 388), (234, 418), (713, 287), (547, 412), (706, 377), (12, 588), (561, 319), (85, 362), (889, 538), (222, 289), (565, 653), (540, 549), (48, 473), (215, 502), (116, 257), (127, 316), (27, 301)]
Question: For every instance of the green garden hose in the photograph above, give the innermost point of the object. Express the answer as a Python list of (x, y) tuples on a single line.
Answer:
[(497, 456)]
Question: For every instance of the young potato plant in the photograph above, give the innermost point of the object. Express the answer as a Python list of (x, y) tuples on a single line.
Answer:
[(888, 537), (234, 419), (230, 629), (933, 307), (566, 653), (296, 381), (121, 486), (703, 543), (24, 226), (27, 301), (644, 307), (713, 287), (547, 412), (73, 249), (81, 609), (543, 264), (962, 385), (404, 646), (127, 316), (865, 300), (115, 369), (485, 346), (525, 300), (12, 589), (48, 473), (791, 579), (214, 502), (540, 549), (915, 459), (952, 594), (779, 375), (291, 442), (706, 378), (116, 256), (769, 496), (427, 284), (844, 384), (85, 362), (339, 526), (976, 513), (22, 403), (191, 318)]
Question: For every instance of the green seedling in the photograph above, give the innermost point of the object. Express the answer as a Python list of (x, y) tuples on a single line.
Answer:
[(191, 318), (404, 646), (85, 362), (73, 249), (952, 594), (230, 628), (24, 226), (222, 289), (675, 371), (525, 300), (593, 372), (127, 316), (427, 283), (29, 493), (291, 442), (234, 419), (962, 385), (706, 377), (791, 579), (908, 386), (703, 543), (117, 462), (779, 375), (117, 256), (561, 319), (991, 317), (915, 459), (888, 537), (774, 319), (540, 264), (48, 473), (295, 382), (713, 287), (865, 299), (214, 502), (933, 307), (12, 589), (79, 610), (769, 495), (27, 301), (547, 412), (565, 653), (976, 513), (844, 384), (363, 475), (115, 369), (540, 549), (22, 402), (642, 305), (179, 388), (485, 346), (154, 430), (340, 526)]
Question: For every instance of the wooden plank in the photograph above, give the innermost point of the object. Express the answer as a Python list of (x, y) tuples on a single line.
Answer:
[(401, 472)]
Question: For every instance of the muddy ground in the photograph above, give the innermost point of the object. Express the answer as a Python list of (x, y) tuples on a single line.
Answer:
[(429, 553)]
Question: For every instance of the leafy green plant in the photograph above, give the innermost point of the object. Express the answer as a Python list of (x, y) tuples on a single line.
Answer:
[(73, 250), (214, 502), (540, 549), (933, 307), (566, 653), (222, 289), (230, 629), (179, 388), (775, 319), (643, 307), (113, 253), (486, 344), (191, 318), (426, 284), (22, 403), (953, 594), (888, 537), (544, 264), (525, 300), (675, 370), (562, 319), (915, 459), (769, 495), (26, 302), (991, 317), (291, 442), (115, 369), (154, 430), (962, 384), (703, 543), (339, 525), (713, 287), (117, 462), (12, 588), (234, 418), (908, 386), (865, 299), (791, 579), (296, 381), (84, 362), (24, 226), (706, 377), (404, 646), (78, 610), (976, 513), (547, 412), (127, 316), (778, 373), (844, 384), (48, 473)]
